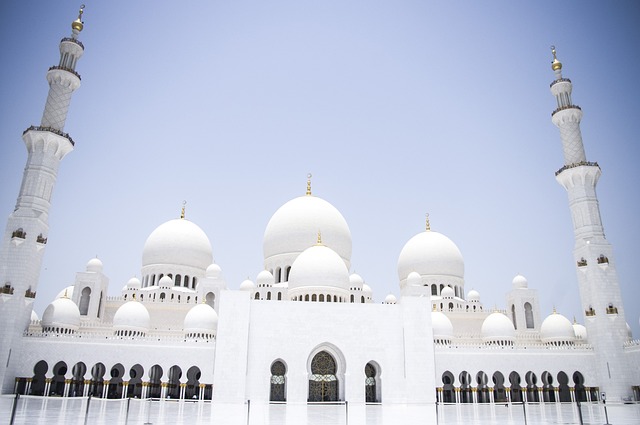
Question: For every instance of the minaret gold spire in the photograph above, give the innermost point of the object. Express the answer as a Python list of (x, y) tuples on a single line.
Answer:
[(428, 225), (309, 184), (78, 24), (556, 65), (184, 206)]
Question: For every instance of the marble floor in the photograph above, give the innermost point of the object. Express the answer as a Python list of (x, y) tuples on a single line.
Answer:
[(55, 410)]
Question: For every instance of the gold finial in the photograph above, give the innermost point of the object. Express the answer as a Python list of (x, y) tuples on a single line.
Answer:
[(554, 310), (575, 322), (65, 293), (78, 24), (556, 65), (319, 242), (309, 184), (184, 206), (428, 225)]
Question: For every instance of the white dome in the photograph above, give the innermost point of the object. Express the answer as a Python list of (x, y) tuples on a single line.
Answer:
[(414, 279), (213, 271), (442, 327), (165, 282), (430, 254), (178, 242), (447, 292), (497, 328), (66, 292), (62, 313), (519, 282), (557, 328), (356, 281), (367, 289), (390, 299), (201, 319), (134, 283), (473, 296), (34, 316), (132, 316), (94, 265), (247, 285), (580, 331), (294, 227), (319, 267), (264, 278)]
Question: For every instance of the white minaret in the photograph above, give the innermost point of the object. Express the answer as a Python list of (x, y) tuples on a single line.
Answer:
[(27, 227), (593, 255)]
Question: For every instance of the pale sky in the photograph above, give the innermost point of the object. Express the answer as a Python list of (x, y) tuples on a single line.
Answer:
[(396, 108)]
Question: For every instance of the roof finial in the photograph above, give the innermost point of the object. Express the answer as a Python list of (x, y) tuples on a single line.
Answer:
[(554, 309), (65, 293), (77, 25), (319, 242), (556, 65), (309, 184), (184, 206), (428, 225)]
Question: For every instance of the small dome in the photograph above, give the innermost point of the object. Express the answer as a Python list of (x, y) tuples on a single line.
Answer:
[(61, 314), (580, 331), (134, 283), (366, 289), (202, 319), (519, 282), (430, 254), (557, 329), (295, 225), (447, 292), (319, 267), (94, 265), (390, 299), (442, 326), (264, 278), (473, 296), (178, 242), (132, 316), (497, 328), (66, 292), (414, 279), (165, 282), (213, 271), (247, 285), (34, 316), (355, 280)]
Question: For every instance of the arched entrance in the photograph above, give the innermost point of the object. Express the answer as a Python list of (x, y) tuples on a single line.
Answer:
[(323, 382), (278, 382), (371, 387)]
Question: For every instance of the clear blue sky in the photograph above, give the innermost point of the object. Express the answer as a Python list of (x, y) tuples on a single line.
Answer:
[(397, 108)]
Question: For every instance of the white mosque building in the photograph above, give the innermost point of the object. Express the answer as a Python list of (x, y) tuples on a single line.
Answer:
[(179, 332)]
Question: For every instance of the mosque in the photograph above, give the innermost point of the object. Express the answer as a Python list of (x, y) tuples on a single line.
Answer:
[(178, 332)]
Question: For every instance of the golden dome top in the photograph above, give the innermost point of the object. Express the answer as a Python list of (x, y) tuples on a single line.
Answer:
[(78, 24), (556, 64)]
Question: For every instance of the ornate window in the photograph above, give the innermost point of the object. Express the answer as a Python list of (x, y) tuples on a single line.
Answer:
[(370, 387), (278, 381), (323, 383)]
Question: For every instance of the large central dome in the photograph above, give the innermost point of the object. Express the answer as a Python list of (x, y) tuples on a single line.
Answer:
[(294, 227), (178, 242), (430, 254)]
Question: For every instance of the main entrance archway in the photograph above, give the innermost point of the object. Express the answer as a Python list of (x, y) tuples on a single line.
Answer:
[(323, 383)]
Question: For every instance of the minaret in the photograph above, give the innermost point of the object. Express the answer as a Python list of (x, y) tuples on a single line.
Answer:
[(27, 227), (593, 255)]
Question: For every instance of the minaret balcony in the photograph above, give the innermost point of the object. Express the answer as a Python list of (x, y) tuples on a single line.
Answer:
[(72, 40), (63, 68), (563, 108), (52, 130), (560, 80), (577, 164)]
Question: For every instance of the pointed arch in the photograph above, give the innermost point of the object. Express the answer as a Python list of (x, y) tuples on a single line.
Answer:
[(326, 367)]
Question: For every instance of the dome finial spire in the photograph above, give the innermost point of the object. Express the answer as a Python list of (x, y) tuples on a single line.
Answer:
[(556, 65), (309, 184), (184, 206), (77, 25), (319, 241), (428, 225)]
